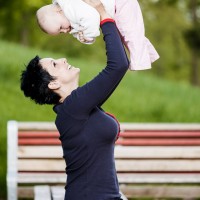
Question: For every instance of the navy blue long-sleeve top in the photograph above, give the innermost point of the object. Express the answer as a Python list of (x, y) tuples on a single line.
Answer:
[(87, 133)]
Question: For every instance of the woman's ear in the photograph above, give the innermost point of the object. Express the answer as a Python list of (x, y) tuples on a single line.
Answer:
[(54, 85)]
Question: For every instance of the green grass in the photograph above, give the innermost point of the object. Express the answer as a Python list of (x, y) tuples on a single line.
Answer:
[(141, 97)]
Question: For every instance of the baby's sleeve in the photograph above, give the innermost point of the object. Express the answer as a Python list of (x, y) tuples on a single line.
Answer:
[(86, 20), (75, 33), (90, 25)]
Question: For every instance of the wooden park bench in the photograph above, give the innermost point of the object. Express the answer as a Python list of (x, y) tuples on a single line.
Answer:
[(152, 160)]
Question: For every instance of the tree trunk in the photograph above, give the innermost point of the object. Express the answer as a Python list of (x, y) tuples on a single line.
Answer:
[(24, 33), (194, 68)]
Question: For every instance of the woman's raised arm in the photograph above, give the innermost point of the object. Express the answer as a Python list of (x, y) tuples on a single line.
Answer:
[(85, 98)]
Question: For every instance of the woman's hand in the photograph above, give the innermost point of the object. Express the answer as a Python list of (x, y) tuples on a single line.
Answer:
[(94, 3), (99, 7)]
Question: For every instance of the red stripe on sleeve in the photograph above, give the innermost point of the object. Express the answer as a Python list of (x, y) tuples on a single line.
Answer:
[(106, 20)]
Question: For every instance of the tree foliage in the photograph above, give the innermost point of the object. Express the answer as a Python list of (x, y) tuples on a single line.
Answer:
[(169, 26), (192, 37)]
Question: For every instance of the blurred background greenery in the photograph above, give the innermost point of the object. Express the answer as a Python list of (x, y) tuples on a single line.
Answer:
[(169, 92)]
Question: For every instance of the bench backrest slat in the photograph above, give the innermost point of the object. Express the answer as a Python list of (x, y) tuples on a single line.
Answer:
[(121, 152), (124, 134), (149, 165), (169, 137), (159, 142)]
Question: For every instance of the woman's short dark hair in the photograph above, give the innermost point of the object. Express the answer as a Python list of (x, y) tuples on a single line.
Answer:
[(34, 83)]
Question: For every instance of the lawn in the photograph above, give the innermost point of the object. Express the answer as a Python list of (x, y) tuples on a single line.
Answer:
[(141, 97)]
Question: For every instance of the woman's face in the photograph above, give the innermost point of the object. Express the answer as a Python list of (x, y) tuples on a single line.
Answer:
[(61, 70)]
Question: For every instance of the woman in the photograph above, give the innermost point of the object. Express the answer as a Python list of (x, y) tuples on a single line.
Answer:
[(87, 133)]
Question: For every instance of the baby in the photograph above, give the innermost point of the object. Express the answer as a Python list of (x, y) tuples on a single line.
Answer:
[(82, 21)]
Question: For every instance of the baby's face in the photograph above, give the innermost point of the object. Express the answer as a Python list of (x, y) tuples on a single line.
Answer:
[(54, 23)]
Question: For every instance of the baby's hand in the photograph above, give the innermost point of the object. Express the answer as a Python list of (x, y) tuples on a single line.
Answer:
[(84, 40), (81, 37)]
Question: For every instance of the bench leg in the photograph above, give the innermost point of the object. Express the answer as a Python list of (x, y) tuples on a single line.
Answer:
[(12, 190), (12, 132), (123, 196), (42, 192), (58, 192)]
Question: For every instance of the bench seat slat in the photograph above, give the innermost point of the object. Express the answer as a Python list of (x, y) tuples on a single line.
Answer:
[(124, 178), (186, 192), (165, 178), (129, 152), (137, 191), (121, 165)]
